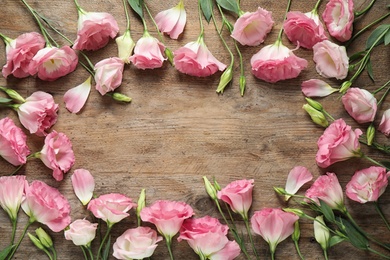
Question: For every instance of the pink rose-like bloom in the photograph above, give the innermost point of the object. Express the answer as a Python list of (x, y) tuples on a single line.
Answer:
[(172, 21), (384, 125), (367, 184), (327, 188), (251, 28), (273, 225), (136, 243), (57, 154), (46, 205), (39, 113), (297, 177), (195, 59), (83, 185), (148, 53), (338, 17), (276, 62), (81, 232), (317, 88), (167, 216), (208, 237), (76, 97), (304, 29), (111, 208), (108, 74), (51, 63), (20, 52), (331, 60), (338, 143), (94, 30), (238, 194), (11, 194), (13, 147), (360, 104)]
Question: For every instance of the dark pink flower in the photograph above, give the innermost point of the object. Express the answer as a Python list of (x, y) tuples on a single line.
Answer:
[(338, 17)]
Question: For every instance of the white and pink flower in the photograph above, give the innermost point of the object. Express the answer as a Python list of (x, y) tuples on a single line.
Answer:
[(338, 17), (172, 21)]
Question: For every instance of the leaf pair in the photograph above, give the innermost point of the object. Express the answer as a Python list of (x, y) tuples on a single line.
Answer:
[(207, 7)]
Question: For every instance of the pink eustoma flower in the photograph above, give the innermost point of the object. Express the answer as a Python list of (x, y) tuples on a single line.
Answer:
[(51, 63), (297, 177), (148, 53), (13, 146), (384, 125), (167, 216), (273, 225), (172, 21), (46, 205), (317, 88), (360, 104), (251, 28), (208, 238), (111, 208), (338, 143), (195, 59), (20, 52), (38, 113), (338, 17), (94, 30), (327, 188), (304, 29), (331, 60), (83, 185), (367, 184), (81, 232), (136, 243), (12, 190), (238, 194), (276, 62), (76, 97), (108, 74), (57, 154)]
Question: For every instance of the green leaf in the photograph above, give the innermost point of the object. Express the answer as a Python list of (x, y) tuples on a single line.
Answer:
[(137, 6), (5, 252), (387, 38), (369, 69), (327, 211), (377, 34), (206, 6), (5, 100), (357, 55), (107, 248), (230, 5), (356, 238), (334, 240)]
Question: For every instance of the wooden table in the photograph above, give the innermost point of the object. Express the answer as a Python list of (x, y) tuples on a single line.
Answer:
[(177, 129)]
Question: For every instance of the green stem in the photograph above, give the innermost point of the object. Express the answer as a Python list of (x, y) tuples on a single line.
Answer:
[(315, 9), (109, 227), (127, 16), (378, 253), (21, 238), (298, 250), (325, 254), (84, 253), (78, 6), (373, 161), (279, 39), (385, 94), (91, 66), (6, 39), (272, 252), (382, 87), (90, 252), (168, 240), (380, 212), (200, 20), (357, 14), (327, 114), (53, 28), (53, 250), (14, 223), (248, 230), (154, 23)]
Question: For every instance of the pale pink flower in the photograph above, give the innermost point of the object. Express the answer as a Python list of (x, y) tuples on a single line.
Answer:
[(304, 29), (136, 243), (83, 185), (51, 63), (57, 154), (195, 59), (338, 17), (13, 146), (76, 97), (167, 216), (297, 177), (338, 143), (172, 21), (111, 208), (46, 205), (251, 28), (331, 60), (81, 232), (94, 30), (317, 88), (238, 194), (20, 52), (360, 104), (367, 184), (273, 225), (384, 125), (38, 113), (276, 62), (208, 238), (148, 53), (327, 188), (108, 74), (11, 194)]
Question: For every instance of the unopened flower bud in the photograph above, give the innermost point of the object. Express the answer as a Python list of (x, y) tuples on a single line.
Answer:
[(36, 241), (345, 86), (297, 232), (321, 232), (125, 46), (13, 94), (316, 116), (242, 84), (226, 77), (297, 212), (141, 201), (169, 55), (370, 134), (217, 186), (44, 238), (121, 97), (210, 189), (280, 190), (315, 104)]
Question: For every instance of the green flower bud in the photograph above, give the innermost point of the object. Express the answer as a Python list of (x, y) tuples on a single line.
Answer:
[(36, 241), (210, 189), (226, 77), (297, 232), (242, 84), (169, 55), (216, 185), (297, 212), (315, 104), (316, 116), (13, 94), (121, 97), (280, 190), (345, 86), (44, 238), (141, 201), (370, 134)]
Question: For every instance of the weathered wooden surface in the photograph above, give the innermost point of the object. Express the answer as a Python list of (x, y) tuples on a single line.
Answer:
[(177, 129)]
